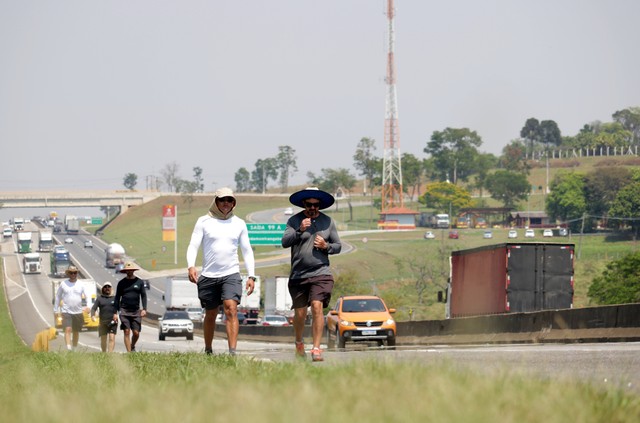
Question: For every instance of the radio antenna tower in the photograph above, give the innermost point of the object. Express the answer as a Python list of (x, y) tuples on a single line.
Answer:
[(391, 167)]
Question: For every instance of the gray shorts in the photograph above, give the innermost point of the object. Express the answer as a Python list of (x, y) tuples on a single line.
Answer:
[(213, 291), (74, 321)]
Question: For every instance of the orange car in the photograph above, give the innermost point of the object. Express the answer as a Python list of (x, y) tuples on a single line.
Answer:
[(360, 318)]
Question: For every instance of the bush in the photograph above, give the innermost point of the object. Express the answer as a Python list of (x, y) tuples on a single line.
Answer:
[(619, 283)]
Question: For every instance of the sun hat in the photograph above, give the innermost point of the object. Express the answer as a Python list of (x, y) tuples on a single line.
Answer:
[(298, 198), (71, 269), (129, 266)]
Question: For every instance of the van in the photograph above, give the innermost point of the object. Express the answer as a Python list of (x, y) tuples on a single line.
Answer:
[(7, 232)]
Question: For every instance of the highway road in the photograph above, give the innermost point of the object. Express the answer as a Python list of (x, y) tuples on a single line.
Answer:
[(605, 364)]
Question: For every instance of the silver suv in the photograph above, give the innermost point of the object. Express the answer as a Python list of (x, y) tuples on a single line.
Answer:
[(175, 323)]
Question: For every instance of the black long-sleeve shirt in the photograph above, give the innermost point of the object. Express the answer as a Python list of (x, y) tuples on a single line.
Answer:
[(129, 294)]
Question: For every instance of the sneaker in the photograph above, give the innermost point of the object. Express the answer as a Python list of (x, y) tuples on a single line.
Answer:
[(208, 352), (133, 348), (316, 354), (300, 350)]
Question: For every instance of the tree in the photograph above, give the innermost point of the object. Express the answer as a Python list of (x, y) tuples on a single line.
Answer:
[(508, 187), (170, 175), (197, 179), (412, 172), (130, 181), (243, 180), (454, 151), (514, 157), (336, 180), (602, 186), (550, 133), (630, 120), (445, 197), (187, 189), (531, 133), (365, 162), (285, 163), (484, 163), (619, 282), (265, 169), (566, 201), (627, 205)]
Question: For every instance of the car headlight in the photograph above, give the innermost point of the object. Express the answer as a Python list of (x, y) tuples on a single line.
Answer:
[(390, 321), (345, 323)]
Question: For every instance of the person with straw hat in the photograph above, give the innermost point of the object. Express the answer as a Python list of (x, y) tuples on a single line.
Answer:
[(312, 236), (70, 302), (130, 294), (220, 233)]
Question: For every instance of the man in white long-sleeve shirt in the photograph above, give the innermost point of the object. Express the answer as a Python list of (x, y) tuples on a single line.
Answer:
[(72, 297), (220, 233)]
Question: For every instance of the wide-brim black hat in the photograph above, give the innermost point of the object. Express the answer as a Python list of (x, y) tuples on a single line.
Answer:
[(298, 198)]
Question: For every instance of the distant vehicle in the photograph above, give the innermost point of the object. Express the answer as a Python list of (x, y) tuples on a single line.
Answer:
[(114, 255), (222, 318), (454, 234), (442, 221), (512, 234), (45, 242), (360, 318), (487, 235), (529, 233), (429, 235), (274, 320), (146, 284), (60, 260), (288, 211), (7, 232), (563, 232), (547, 232), (175, 323), (31, 263), (88, 244), (195, 313), (68, 240), (24, 242)]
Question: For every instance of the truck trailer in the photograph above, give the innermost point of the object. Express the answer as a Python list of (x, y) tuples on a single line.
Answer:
[(24, 242), (277, 299), (180, 294), (32, 263), (510, 277), (250, 304)]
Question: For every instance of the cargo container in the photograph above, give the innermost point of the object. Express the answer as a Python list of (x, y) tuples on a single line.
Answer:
[(46, 241), (180, 293), (24, 242), (510, 277)]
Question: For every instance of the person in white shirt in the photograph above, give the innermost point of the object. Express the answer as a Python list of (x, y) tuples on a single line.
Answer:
[(220, 233), (70, 303)]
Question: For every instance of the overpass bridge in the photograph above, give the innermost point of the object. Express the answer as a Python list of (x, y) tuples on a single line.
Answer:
[(121, 199)]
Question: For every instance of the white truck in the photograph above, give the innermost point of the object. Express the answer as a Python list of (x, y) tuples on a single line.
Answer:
[(250, 304), (115, 255), (277, 299), (45, 243), (24, 242), (32, 263), (180, 294)]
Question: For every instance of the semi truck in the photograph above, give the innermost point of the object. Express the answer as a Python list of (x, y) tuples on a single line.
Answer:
[(45, 242), (24, 242), (18, 224), (32, 263), (115, 255), (250, 304), (180, 294), (72, 226), (277, 299), (90, 293), (509, 278), (60, 261)]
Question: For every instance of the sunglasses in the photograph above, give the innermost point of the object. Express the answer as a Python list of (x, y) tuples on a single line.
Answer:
[(309, 205), (226, 199), (73, 273)]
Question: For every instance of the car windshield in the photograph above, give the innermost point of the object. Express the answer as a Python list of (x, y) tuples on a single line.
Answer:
[(173, 315), (358, 306)]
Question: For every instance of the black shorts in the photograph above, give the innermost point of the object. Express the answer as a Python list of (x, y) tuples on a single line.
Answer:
[(316, 288), (106, 328), (130, 320), (213, 291), (74, 321)]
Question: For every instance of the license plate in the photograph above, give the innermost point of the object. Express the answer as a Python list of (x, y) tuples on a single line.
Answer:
[(368, 332), (178, 330)]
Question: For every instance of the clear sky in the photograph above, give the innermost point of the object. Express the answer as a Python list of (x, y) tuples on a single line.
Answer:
[(91, 89)]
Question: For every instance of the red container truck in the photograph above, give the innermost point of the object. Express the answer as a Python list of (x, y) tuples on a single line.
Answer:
[(510, 277)]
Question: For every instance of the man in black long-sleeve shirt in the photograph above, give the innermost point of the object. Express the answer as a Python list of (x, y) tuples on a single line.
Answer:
[(129, 294)]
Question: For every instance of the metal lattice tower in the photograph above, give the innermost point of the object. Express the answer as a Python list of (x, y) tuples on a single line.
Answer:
[(391, 168)]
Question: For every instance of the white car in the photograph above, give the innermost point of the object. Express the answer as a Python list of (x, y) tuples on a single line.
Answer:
[(512, 234), (274, 320), (175, 323), (288, 211), (529, 233), (68, 240), (195, 313), (429, 235), (487, 235), (547, 232)]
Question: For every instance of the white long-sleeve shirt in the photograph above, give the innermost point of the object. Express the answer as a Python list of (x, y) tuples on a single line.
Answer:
[(70, 293), (220, 240)]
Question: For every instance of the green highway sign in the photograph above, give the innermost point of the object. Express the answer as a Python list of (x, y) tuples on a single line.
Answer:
[(266, 233), (96, 221)]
